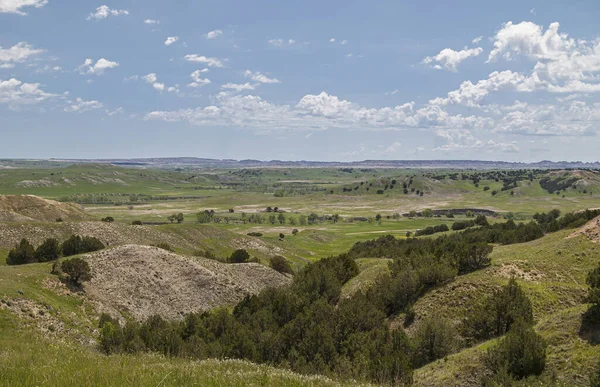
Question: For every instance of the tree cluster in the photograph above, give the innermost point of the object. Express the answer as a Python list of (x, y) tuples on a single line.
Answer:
[(51, 249)]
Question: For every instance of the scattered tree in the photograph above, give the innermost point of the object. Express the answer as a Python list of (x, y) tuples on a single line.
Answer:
[(281, 264), (77, 269), (22, 253), (239, 256), (49, 250)]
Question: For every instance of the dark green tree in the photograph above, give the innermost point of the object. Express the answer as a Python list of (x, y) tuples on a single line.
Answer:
[(22, 253), (77, 269), (49, 250), (239, 256)]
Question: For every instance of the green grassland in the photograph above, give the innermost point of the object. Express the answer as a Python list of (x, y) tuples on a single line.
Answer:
[(551, 270)]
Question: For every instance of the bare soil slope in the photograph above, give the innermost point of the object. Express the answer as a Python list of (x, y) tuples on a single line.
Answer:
[(591, 230), (28, 208), (144, 281)]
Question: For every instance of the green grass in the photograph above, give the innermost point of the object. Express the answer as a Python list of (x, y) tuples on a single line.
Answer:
[(27, 359), (557, 291)]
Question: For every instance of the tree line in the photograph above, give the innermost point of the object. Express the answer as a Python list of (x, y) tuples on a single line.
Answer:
[(51, 249)]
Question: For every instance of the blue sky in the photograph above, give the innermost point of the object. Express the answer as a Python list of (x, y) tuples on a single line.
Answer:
[(318, 80)]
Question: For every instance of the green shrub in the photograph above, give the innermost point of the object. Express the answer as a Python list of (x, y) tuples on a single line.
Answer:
[(137, 223), (281, 264), (255, 234), (111, 338), (49, 250), (164, 246), (108, 219), (239, 256), (521, 353), (434, 339), (494, 315), (80, 245), (77, 269), (22, 253)]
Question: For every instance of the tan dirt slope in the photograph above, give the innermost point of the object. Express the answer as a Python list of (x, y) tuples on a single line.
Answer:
[(143, 281), (28, 208), (591, 230)]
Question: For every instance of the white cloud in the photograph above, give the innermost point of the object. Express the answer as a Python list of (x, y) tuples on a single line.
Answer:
[(393, 92), (449, 59), (17, 54), (213, 34), (48, 69), (332, 40), (344, 42), (171, 39), (281, 42), (14, 6), (80, 106), (566, 119), (210, 62), (16, 93), (313, 112), (151, 21), (462, 139), (152, 79), (259, 77), (238, 87), (393, 148), (563, 64), (477, 40), (470, 94), (116, 111), (532, 11), (103, 11), (88, 67), (198, 81)]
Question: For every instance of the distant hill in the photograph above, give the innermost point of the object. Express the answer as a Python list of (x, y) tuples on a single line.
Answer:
[(229, 163), (29, 208)]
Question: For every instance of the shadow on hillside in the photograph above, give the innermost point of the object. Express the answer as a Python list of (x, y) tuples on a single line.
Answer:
[(590, 326)]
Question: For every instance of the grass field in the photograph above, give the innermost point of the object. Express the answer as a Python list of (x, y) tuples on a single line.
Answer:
[(551, 270)]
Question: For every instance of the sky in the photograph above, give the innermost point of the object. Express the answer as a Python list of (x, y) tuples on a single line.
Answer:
[(312, 80)]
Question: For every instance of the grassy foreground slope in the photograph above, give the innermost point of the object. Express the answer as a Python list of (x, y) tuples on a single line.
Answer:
[(47, 337), (26, 359), (552, 272)]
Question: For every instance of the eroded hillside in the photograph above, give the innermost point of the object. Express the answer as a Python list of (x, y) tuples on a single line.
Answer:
[(142, 281)]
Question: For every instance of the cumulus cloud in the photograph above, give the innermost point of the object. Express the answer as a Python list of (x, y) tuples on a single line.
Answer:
[(14, 6), (576, 118), (151, 21), (470, 94), (88, 67), (152, 80), (15, 93), (18, 53), (259, 77), (171, 39), (462, 139), (477, 40), (393, 148), (238, 87), (558, 56), (213, 34), (210, 62), (449, 59), (311, 113), (103, 11), (80, 106), (198, 80), (281, 42)]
